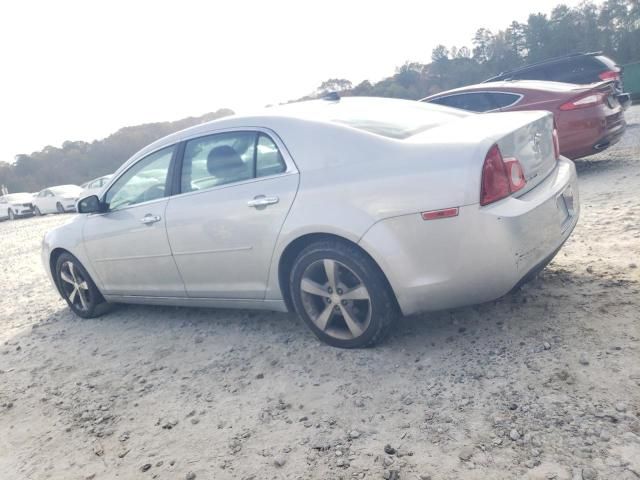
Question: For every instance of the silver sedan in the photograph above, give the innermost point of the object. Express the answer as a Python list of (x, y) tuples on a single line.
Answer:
[(348, 212)]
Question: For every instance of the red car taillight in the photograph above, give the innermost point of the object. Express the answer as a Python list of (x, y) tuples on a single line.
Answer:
[(500, 177), (609, 75), (589, 99)]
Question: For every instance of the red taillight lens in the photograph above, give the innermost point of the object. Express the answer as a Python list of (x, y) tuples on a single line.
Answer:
[(515, 173), (495, 180), (588, 100), (609, 75), (500, 177)]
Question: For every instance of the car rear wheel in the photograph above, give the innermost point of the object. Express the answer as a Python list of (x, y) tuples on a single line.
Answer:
[(59, 207), (342, 295), (77, 288), (12, 216)]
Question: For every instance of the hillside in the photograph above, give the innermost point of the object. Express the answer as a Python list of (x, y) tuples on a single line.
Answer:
[(77, 161)]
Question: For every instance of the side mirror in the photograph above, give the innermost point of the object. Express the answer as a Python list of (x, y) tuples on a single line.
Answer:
[(90, 204)]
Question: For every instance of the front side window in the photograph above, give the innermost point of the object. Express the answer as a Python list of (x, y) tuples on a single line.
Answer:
[(143, 182), (228, 158)]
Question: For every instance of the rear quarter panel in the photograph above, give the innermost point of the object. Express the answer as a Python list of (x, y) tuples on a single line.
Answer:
[(350, 179)]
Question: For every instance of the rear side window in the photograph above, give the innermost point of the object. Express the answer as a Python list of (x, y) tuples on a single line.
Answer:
[(474, 102), (502, 100), (269, 160), (228, 158)]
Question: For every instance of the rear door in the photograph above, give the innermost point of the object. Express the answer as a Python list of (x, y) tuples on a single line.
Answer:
[(236, 189), (128, 244)]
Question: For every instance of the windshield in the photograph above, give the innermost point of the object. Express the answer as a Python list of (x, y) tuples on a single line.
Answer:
[(19, 198), (66, 191)]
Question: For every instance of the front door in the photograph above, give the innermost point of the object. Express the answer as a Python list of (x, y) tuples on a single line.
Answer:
[(236, 191), (128, 244)]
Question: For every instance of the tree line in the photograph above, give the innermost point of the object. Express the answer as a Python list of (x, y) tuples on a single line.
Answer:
[(76, 162), (612, 27)]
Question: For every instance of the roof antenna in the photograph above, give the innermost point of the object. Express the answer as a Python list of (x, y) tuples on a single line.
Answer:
[(331, 96)]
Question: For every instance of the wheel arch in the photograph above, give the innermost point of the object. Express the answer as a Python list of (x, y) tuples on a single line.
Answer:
[(293, 249)]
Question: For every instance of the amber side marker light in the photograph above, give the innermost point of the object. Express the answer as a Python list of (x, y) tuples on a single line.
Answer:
[(436, 214)]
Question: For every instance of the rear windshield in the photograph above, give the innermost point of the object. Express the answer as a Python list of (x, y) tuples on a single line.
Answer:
[(391, 118), (608, 63)]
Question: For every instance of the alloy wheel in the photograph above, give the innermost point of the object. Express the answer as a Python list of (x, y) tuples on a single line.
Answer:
[(12, 216), (75, 287), (336, 299)]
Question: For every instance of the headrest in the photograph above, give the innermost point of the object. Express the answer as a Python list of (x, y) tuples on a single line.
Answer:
[(222, 159)]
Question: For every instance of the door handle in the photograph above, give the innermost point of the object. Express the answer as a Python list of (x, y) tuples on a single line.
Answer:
[(148, 219), (262, 201)]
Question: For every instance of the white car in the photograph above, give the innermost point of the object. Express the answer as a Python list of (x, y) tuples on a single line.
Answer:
[(93, 187), (346, 212), (16, 205), (60, 199)]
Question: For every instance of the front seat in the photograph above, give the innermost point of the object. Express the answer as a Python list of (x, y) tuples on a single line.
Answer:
[(227, 166)]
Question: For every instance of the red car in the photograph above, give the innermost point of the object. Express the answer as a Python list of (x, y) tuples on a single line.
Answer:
[(589, 118)]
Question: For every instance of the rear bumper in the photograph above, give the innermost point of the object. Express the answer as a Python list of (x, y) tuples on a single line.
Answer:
[(481, 254), (590, 134)]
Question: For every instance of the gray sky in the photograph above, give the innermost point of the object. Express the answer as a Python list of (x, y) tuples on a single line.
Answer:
[(79, 70)]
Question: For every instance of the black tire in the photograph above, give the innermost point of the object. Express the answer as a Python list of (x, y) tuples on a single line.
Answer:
[(37, 211), (94, 302), (12, 216), (59, 207), (381, 305)]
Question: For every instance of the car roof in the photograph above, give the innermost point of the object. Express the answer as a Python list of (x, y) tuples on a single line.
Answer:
[(318, 111), (547, 61), (513, 85)]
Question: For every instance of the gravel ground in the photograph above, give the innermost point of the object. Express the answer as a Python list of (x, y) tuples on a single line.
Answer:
[(542, 384)]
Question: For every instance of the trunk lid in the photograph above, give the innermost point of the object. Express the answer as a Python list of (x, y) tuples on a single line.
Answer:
[(524, 135)]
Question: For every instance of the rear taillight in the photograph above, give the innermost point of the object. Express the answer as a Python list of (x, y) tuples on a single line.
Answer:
[(500, 177), (609, 75), (588, 100), (515, 173)]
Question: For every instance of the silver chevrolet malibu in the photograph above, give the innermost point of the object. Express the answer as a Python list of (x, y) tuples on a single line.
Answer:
[(348, 212)]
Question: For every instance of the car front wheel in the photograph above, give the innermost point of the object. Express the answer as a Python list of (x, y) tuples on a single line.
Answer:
[(59, 208), (342, 295), (12, 216), (37, 211), (77, 287)]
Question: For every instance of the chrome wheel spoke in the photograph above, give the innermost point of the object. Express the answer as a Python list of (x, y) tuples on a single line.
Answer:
[(352, 324), (72, 295), (357, 293), (331, 269), (72, 271), (83, 300), (322, 320), (314, 288), (64, 276)]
